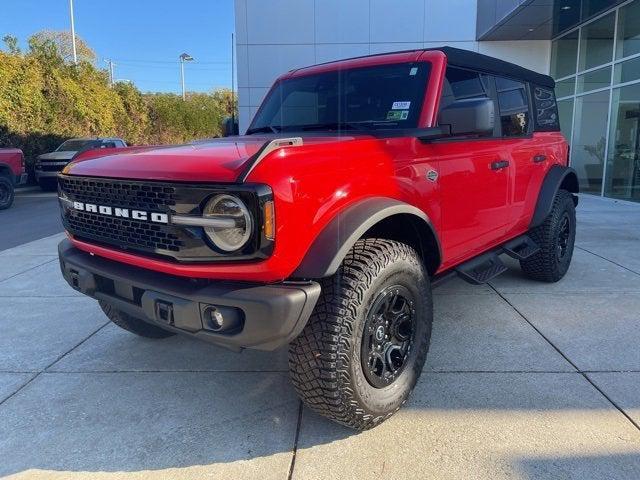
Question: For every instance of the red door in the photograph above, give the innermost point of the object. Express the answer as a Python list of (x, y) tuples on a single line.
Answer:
[(474, 186)]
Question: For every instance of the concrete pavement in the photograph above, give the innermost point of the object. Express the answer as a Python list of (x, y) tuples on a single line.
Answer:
[(523, 381), (34, 215)]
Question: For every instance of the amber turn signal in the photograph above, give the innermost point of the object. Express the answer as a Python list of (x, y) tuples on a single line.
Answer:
[(269, 225)]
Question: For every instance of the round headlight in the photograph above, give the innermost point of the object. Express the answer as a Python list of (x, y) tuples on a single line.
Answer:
[(235, 235)]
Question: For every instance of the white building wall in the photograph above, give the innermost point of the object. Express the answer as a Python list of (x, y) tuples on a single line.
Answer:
[(274, 36)]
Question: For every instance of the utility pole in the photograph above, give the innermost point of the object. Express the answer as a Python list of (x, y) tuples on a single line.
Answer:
[(73, 33), (233, 102), (111, 65), (185, 57)]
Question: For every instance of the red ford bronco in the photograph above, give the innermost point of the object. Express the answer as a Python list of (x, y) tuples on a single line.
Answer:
[(359, 186), (12, 173)]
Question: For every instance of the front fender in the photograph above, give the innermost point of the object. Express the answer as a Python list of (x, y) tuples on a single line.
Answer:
[(331, 246)]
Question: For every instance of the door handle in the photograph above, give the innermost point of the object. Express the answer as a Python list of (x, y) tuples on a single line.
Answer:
[(539, 158), (499, 165)]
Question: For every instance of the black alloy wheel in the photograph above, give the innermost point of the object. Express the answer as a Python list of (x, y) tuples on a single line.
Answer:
[(388, 335)]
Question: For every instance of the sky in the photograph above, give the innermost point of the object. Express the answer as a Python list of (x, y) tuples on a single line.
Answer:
[(143, 37)]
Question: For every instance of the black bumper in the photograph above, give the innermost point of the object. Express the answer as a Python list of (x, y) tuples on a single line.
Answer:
[(261, 316)]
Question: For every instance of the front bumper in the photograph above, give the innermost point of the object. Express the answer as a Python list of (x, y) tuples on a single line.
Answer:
[(49, 169), (21, 179), (264, 317)]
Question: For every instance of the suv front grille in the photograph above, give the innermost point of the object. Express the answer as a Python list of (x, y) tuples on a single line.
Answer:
[(159, 239), (141, 195), (121, 231)]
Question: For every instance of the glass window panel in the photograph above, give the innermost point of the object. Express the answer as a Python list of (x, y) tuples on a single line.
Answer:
[(623, 164), (594, 80), (565, 87), (627, 71), (566, 14), (563, 55), (591, 8), (596, 43), (514, 106), (589, 137), (565, 112), (628, 30)]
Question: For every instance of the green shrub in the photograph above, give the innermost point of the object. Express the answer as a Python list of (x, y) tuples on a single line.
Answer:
[(45, 100)]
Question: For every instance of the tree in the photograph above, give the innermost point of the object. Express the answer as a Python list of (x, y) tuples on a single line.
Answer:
[(61, 42), (12, 44)]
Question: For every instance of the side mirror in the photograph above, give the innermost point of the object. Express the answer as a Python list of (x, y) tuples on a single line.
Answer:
[(469, 116), (229, 127)]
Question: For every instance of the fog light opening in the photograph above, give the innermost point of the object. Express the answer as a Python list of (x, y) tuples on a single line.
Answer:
[(222, 319)]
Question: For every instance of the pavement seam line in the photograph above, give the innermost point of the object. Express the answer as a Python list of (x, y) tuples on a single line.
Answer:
[(295, 442), (28, 269), (584, 375), (52, 363), (607, 259)]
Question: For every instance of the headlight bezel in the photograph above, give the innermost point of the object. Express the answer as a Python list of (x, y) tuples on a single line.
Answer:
[(215, 233)]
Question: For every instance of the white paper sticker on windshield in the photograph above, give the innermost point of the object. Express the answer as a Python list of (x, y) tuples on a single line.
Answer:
[(413, 71), (401, 105)]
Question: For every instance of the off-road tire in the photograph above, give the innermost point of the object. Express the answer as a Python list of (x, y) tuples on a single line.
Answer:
[(546, 266), (48, 184), (325, 359), (132, 324), (7, 193)]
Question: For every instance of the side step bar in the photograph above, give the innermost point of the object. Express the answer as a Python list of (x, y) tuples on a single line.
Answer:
[(487, 266)]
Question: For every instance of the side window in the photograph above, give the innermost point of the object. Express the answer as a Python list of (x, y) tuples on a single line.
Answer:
[(119, 143), (108, 145), (460, 84), (514, 107), (546, 109)]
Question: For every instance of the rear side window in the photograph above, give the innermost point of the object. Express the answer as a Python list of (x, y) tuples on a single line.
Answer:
[(546, 109), (514, 107), (460, 84)]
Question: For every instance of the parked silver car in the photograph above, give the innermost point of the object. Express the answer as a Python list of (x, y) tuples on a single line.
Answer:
[(48, 165)]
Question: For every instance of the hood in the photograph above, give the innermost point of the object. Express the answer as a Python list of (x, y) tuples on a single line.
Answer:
[(64, 155), (219, 160)]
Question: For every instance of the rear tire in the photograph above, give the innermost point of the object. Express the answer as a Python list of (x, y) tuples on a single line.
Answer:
[(7, 193), (363, 349), (132, 324), (556, 239)]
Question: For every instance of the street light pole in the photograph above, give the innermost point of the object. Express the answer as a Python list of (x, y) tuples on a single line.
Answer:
[(111, 65), (73, 33), (185, 57)]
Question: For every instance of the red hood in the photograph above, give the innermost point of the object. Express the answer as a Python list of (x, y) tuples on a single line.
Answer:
[(220, 160)]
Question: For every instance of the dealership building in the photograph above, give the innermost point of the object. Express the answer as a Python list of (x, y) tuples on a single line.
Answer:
[(590, 47)]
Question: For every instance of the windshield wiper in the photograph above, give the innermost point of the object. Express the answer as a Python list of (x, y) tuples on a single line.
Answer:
[(335, 126), (265, 129)]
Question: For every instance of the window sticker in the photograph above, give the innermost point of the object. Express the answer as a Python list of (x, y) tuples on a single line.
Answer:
[(413, 71), (401, 105), (397, 114)]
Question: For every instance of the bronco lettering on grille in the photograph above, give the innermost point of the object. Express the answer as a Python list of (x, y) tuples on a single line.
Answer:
[(154, 217)]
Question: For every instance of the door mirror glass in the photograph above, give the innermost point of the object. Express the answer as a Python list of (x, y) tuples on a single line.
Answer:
[(469, 116)]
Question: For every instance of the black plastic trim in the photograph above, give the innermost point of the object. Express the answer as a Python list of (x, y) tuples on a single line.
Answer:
[(274, 314), (331, 246), (550, 186)]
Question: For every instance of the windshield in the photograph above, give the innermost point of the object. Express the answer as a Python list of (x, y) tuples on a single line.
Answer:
[(382, 96), (74, 145)]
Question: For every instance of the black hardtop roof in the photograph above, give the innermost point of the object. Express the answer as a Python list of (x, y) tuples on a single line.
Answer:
[(485, 63), (476, 61)]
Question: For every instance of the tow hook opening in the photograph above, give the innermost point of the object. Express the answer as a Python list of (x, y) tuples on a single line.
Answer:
[(75, 279), (164, 312)]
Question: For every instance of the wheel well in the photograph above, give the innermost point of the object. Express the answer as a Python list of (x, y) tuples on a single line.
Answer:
[(5, 171), (413, 231), (570, 183)]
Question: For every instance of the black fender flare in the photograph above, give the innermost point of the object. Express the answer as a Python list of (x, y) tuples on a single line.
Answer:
[(334, 242), (558, 176)]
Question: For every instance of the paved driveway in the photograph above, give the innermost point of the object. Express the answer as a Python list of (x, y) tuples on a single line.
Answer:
[(523, 380)]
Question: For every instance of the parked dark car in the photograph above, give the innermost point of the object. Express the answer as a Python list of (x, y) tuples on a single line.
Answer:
[(12, 173), (48, 165)]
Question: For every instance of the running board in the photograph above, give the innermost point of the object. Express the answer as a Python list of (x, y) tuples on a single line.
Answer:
[(488, 265), (481, 269), (521, 248)]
